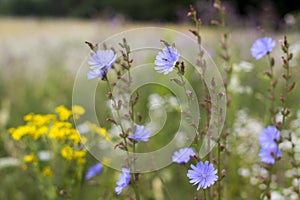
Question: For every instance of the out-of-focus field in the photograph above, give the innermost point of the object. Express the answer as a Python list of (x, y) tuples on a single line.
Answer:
[(38, 63)]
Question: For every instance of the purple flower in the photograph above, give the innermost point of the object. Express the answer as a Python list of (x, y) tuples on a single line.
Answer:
[(123, 181), (96, 73), (100, 62), (269, 137), (93, 170), (268, 155), (269, 147), (140, 133), (166, 60), (182, 155), (262, 46), (203, 174)]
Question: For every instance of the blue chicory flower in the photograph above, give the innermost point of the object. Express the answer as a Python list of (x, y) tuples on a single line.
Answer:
[(268, 155), (140, 134), (262, 46), (269, 147), (203, 174), (183, 155), (123, 181), (269, 137), (166, 60), (94, 170), (96, 73), (100, 63)]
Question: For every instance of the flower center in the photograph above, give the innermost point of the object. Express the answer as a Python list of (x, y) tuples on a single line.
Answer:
[(204, 175)]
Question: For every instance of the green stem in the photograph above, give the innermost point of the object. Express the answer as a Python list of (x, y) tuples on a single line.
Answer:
[(134, 185), (118, 114), (205, 194), (219, 170), (272, 94), (269, 183), (188, 97), (135, 188)]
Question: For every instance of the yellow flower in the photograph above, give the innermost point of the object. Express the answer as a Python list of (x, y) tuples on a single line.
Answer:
[(77, 111), (107, 137), (47, 171), (19, 132), (63, 113), (74, 136), (29, 158), (79, 154), (67, 152), (39, 132), (42, 120), (106, 161), (101, 131), (28, 117), (60, 130), (83, 139)]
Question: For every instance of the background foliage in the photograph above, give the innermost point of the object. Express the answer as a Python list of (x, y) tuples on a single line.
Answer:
[(162, 10)]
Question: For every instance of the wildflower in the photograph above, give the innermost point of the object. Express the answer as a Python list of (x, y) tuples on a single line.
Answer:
[(262, 46), (29, 158), (182, 155), (93, 170), (123, 181), (39, 132), (269, 137), (67, 152), (45, 155), (100, 131), (203, 174), (19, 132), (42, 120), (107, 137), (47, 171), (268, 155), (60, 130), (75, 137), (166, 60), (100, 63), (28, 117), (79, 154), (96, 73), (77, 111), (106, 161), (63, 112), (140, 133), (269, 147)]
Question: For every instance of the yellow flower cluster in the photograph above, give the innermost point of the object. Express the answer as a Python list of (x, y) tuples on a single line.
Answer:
[(37, 125), (68, 153), (63, 131), (55, 128)]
